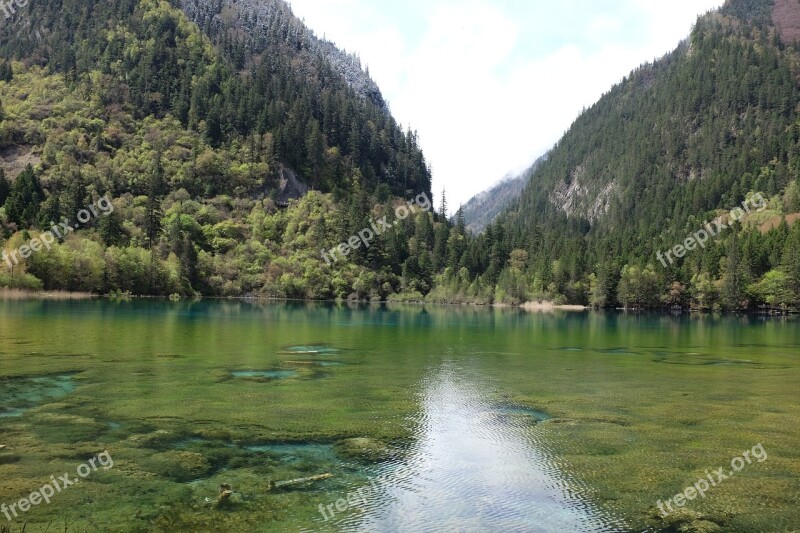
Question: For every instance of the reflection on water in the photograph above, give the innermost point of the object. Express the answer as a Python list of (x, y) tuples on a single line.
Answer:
[(474, 469)]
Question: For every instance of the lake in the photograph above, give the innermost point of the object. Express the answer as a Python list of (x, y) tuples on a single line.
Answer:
[(394, 418)]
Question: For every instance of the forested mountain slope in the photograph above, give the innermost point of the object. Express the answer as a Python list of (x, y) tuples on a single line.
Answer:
[(673, 146), (189, 128), (190, 116)]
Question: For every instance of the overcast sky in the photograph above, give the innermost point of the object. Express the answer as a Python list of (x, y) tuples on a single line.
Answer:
[(490, 85)]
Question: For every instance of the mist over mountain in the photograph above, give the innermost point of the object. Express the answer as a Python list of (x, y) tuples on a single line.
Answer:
[(482, 209)]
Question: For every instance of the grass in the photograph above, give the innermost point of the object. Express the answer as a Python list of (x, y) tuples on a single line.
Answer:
[(22, 294)]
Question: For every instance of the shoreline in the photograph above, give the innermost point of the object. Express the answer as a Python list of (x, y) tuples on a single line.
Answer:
[(532, 306), (546, 306), (23, 294)]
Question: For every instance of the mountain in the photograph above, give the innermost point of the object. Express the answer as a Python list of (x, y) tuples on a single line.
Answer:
[(676, 144), (254, 23), (482, 209), (238, 151), (234, 144)]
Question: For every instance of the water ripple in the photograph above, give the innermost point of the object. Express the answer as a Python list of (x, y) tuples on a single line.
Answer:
[(476, 466)]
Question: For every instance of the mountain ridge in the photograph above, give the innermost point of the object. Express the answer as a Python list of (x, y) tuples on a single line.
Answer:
[(234, 149), (483, 208), (253, 18), (677, 143)]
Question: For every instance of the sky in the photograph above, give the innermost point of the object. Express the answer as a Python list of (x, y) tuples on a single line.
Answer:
[(491, 85)]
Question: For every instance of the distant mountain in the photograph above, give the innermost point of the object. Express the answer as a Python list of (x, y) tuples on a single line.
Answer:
[(482, 209)]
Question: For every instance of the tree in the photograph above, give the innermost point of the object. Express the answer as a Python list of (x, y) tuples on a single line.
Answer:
[(676, 295), (638, 287), (704, 294), (790, 262), (315, 152), (24, 199), (6, 72), (774, 289), (155, 191), (791, 198), (442, 236), (111, 229), (736, 277), (5, 186), (601, 286)]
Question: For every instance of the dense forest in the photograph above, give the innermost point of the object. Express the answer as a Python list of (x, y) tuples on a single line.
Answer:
[(677, 144), (186, 113), (189, 136)]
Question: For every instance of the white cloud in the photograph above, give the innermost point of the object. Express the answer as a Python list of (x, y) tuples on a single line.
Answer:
[(464, 76)]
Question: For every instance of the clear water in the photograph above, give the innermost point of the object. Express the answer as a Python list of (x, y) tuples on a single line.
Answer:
[(20, 394), (269, 374), (444, 418)]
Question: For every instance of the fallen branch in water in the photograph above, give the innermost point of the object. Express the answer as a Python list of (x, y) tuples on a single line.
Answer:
[(278, 484)]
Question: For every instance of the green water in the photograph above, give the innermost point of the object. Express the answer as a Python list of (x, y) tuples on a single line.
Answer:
[(441, 418)]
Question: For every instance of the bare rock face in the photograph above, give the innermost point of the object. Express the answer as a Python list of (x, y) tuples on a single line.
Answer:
[(289, 187), (582, 198), (786, 17)]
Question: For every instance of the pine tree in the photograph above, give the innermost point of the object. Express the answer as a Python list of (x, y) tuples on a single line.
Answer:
[(23, 201), (6, 72), (111, 229), (790, 262), (5, 186), (736, 277)]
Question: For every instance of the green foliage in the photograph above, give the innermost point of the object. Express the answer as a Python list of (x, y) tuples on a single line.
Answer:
[(5, 187), (190, 125), (137, 102), (24, 198), (6, 72), (678, 143), (774, 289)]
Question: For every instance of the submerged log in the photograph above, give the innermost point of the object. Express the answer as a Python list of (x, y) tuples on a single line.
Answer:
[(278, 484), (225, 493)]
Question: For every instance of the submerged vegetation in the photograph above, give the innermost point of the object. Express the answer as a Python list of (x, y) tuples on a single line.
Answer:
[(162, 401)]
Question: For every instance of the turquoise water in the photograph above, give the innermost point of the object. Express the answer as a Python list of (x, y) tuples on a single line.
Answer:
[(444, 418)]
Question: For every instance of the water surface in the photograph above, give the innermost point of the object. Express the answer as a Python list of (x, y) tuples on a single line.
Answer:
[(446, 418)]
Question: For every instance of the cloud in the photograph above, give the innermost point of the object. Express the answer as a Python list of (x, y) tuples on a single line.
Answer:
[(490, 86)]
